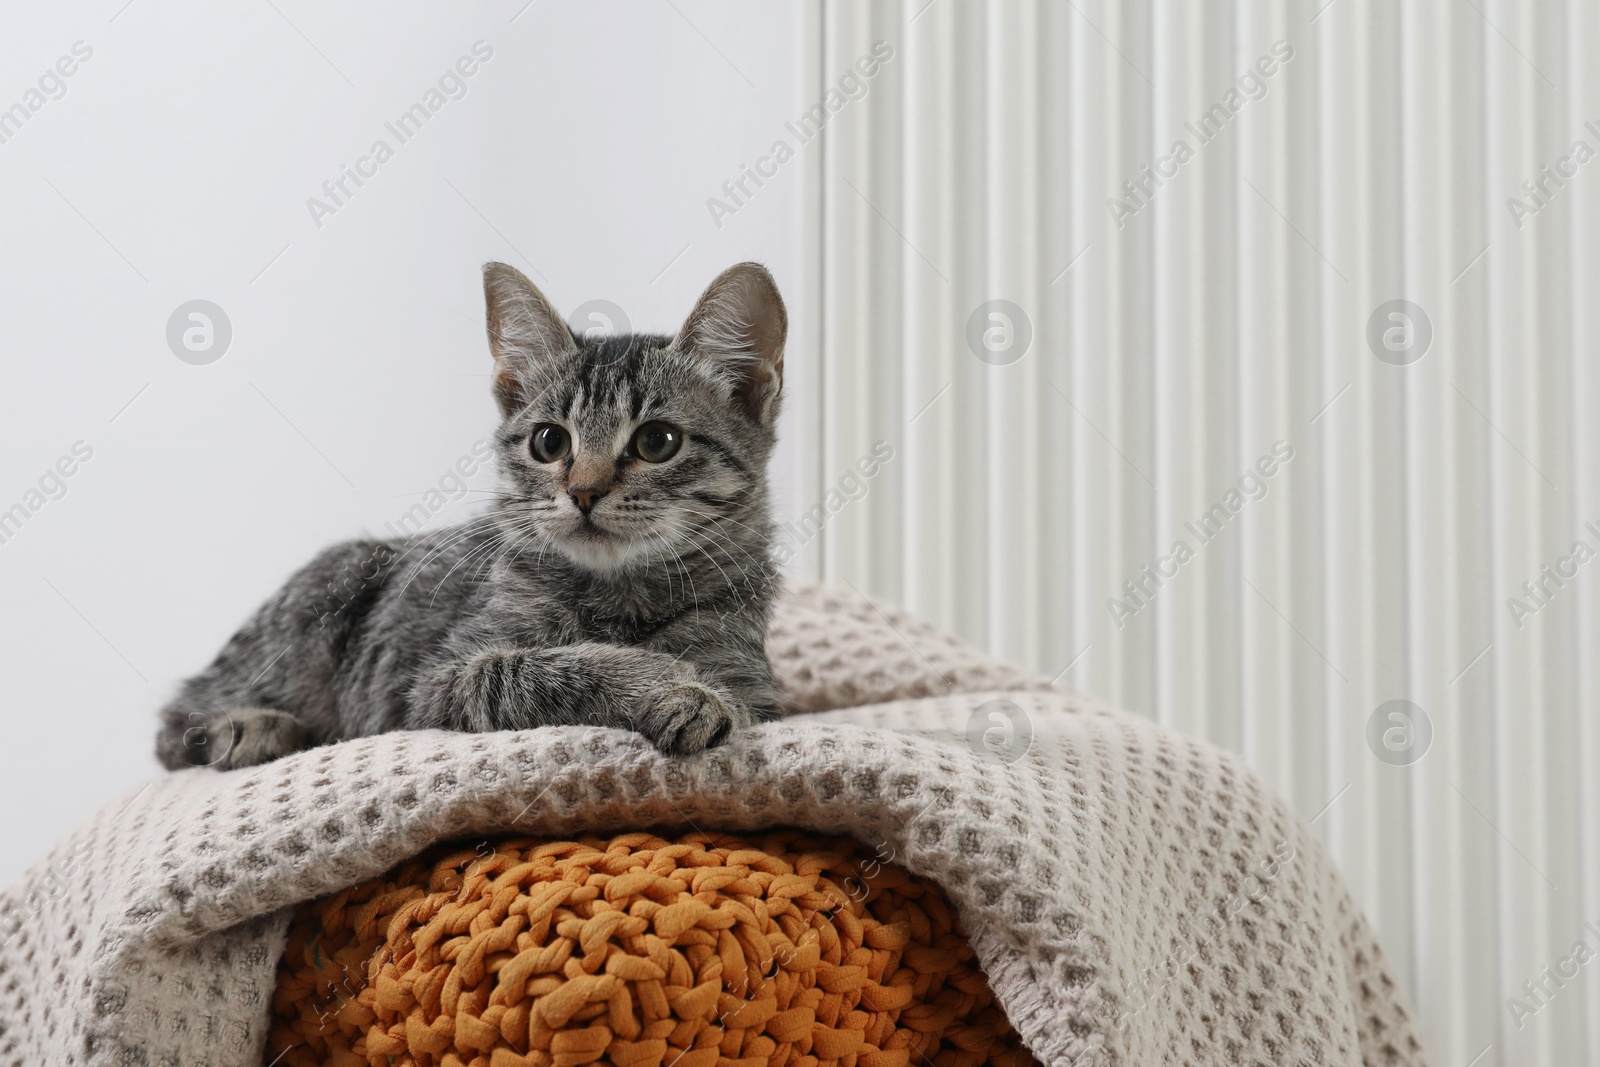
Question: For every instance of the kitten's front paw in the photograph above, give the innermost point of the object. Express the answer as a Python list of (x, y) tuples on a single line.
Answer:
[(686, 717)]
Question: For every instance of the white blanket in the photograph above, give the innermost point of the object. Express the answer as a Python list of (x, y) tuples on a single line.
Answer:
[(1135, 896)]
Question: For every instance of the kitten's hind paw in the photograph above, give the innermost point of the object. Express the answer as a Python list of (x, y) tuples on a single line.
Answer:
[(682, 718), (244, 737)]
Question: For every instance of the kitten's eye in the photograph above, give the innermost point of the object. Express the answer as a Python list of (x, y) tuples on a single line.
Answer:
[(549, 443), (657, 442)]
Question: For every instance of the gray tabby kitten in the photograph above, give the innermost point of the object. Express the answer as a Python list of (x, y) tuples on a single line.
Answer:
[(621, 577)]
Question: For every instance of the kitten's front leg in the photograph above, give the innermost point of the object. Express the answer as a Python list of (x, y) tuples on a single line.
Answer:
[(688, 716), (659, 695)]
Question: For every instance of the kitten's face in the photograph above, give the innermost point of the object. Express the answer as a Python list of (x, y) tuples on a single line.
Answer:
[(630, 450)]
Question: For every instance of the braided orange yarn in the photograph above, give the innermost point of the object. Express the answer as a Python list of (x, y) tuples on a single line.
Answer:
[(706, 950)]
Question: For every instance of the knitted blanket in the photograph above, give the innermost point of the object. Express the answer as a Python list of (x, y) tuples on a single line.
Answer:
[(1135, 897)]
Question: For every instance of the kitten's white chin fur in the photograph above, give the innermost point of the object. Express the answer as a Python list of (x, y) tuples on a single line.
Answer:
[(602, 556), (605, 552)]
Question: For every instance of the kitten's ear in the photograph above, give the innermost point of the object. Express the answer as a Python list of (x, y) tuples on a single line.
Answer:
[(525, 334), (739, 324)]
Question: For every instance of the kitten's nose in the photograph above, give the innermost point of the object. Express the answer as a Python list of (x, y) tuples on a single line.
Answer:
[(585, 496)]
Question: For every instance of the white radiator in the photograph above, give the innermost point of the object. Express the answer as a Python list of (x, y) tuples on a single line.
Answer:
[(1228, 309)]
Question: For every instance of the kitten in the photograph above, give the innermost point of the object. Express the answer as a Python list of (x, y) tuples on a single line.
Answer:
[(622, 576)]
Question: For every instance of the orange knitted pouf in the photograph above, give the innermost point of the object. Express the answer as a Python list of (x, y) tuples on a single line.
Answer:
[(705, 950)]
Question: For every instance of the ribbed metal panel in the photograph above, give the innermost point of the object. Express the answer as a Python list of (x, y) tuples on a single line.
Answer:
[(1230, 313)]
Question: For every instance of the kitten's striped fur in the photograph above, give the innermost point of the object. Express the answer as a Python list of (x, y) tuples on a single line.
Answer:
[(648, 612)]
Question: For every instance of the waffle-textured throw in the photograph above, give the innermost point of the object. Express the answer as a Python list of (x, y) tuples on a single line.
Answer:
[(1135, 897)]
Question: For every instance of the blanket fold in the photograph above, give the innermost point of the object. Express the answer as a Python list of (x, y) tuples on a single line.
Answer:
[(1135, 896)]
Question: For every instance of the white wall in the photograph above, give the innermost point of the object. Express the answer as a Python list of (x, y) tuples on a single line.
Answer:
[(177, 166)]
